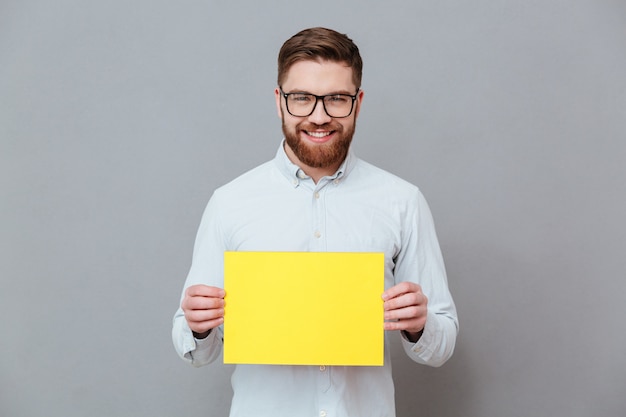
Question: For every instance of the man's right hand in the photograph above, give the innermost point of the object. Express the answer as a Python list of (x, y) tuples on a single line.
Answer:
[(204, 309)]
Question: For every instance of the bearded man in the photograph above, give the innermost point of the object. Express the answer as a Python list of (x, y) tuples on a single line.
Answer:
[(317, 196)]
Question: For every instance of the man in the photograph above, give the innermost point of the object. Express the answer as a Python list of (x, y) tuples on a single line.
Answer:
[(317, 196)]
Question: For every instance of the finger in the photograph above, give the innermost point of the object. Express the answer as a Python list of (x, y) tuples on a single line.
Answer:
[(201, 321), (413, 326), (412, 319), (401, 288), (204, 326), (202, 303), (405, 300), (406, 313), (201, 290), (200, 316)]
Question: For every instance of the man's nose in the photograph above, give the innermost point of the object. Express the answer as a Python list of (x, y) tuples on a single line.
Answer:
[(319, 115)]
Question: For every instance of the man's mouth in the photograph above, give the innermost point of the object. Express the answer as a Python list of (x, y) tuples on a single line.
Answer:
[(318, 135)]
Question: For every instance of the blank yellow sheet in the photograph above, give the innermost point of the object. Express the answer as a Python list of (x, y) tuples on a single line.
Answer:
[(296, 308)]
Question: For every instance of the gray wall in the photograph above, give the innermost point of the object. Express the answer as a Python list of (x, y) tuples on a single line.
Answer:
[(118, 119)]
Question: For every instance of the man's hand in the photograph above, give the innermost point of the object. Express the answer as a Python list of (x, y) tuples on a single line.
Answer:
[(405, 309), (204, 309)]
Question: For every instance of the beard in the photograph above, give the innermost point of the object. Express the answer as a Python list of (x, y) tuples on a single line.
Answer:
[(319, 155)]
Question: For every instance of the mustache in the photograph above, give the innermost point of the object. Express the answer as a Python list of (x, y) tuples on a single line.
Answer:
[(313, 126)]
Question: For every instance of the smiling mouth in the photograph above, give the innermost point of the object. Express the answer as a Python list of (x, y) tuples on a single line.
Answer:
[(318, 135)]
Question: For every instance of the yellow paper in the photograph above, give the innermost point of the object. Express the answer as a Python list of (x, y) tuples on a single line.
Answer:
[(304, 308)]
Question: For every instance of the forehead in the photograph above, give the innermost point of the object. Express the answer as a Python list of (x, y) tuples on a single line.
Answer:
[(319, 77)]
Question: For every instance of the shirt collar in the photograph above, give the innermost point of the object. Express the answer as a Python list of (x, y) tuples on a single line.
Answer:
[(295, 174)]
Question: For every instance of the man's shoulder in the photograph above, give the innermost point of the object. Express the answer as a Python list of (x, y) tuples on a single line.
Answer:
[(249, 180), (377, 176)]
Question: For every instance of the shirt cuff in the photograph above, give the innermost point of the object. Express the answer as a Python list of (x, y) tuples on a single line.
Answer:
[(200, 352), (423, 351)]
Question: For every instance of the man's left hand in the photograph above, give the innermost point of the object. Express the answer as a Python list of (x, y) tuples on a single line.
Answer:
[(405, 307)]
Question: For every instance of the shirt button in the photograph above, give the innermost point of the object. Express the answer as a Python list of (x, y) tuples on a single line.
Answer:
[(322, 413), (316, 195), (322, 368), (317, 234)]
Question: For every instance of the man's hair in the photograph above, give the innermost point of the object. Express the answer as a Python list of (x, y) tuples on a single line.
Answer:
[(320, 44)]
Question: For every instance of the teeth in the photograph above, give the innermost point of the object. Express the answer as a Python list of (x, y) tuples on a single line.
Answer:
[(318, 134)]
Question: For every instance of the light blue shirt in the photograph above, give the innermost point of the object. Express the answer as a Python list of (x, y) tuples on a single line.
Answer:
[(277, 207)]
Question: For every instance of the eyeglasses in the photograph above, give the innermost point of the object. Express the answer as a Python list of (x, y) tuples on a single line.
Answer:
[(304, 104)]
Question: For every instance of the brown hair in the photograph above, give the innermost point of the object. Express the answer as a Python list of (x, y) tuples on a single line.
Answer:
[(317, 44)]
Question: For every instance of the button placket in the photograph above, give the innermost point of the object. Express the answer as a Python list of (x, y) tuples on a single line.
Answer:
[(319, 218)]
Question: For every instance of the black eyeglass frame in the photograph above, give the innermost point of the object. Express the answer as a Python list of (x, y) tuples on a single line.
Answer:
[(318, 98)]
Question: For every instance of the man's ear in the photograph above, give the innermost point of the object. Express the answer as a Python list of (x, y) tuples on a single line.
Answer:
[(359, 99), (278, 109)]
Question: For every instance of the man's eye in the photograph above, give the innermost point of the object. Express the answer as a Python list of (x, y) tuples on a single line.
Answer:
[(300, 98), (337, 99)]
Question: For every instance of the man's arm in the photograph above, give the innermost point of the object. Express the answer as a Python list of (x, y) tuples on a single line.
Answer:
[(420, 302), (197, 332)]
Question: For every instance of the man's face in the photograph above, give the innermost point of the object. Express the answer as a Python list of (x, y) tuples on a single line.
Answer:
[(318, 140)]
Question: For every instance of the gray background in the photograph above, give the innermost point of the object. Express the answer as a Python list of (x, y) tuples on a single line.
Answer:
[(119, 118)]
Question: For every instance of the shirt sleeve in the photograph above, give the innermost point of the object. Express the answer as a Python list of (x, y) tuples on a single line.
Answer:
[(421, 261), (196, 352), (207, 267)]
